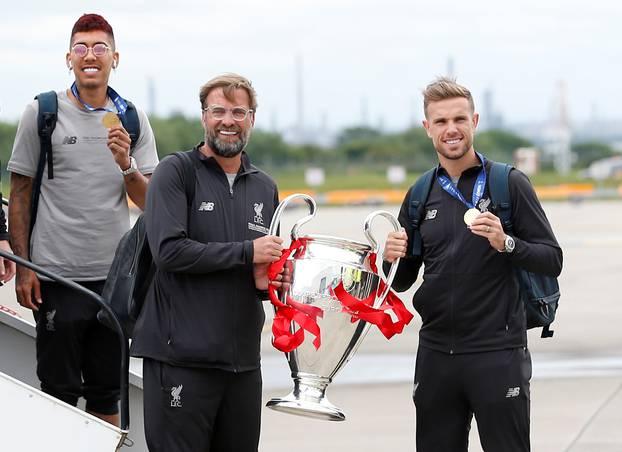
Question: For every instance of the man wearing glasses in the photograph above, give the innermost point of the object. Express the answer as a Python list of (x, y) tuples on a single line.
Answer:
[(199, 330), (82, 212)]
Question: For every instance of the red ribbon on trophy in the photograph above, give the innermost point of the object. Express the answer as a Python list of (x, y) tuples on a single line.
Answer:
[(306, 315), (292, 311), (363, 310)]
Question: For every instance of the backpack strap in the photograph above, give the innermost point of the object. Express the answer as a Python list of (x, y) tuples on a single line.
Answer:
[(188, 162), (499, 187), (131, 123), (416, 207), (498, 184), (46, 122)]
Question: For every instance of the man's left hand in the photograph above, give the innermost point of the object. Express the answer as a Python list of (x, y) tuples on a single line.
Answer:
[(260, 273), (283, 280), (119, 144), (7, 266), (489, 226)]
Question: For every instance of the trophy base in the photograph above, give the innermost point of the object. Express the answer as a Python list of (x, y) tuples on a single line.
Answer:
[(316, 409)]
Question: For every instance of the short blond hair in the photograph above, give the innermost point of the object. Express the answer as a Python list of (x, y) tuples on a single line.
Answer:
[(445, 88), (229, 83)]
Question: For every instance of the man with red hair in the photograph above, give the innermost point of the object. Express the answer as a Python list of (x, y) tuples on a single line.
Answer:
[(81, 214)]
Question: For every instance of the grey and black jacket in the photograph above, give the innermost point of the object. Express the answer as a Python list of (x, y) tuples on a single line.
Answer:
[(469, 300), (4, 234), (202, 309)]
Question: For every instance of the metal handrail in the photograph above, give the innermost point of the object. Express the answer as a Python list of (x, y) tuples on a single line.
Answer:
[(125, 359)]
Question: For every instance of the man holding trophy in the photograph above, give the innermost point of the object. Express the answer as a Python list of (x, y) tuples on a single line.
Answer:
[(207, 220), (472, 358)]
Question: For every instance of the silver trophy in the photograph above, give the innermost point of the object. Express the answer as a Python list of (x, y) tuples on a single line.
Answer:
[(326, 263)]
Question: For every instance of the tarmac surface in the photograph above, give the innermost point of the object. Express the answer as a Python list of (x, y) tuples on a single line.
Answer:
[(576, 390)]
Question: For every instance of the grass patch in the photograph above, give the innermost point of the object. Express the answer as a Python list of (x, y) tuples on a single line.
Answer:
[(354, 178)]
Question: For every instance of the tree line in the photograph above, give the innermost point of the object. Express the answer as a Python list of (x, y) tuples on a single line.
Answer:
[(364, 147)]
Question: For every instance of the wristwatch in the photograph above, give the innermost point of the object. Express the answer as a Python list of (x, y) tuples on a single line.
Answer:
[(132, 169), (508, 245)]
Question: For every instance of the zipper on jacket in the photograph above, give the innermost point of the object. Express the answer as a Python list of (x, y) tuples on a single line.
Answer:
[(453, 286), (236, 363)]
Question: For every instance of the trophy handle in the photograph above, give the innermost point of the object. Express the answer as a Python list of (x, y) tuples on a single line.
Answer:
[(276, 218), (372, 241)]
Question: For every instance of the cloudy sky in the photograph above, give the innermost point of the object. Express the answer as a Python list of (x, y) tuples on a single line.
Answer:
[(362, 60)]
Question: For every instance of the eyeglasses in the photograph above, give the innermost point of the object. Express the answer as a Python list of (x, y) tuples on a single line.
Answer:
[(81, 50), (219, 112)]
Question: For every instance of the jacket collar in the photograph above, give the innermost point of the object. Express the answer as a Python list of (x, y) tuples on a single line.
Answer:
[(245, 167), (471, 170)]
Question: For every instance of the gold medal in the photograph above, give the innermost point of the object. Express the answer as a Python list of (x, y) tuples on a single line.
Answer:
[(470, 215), (110, 120)]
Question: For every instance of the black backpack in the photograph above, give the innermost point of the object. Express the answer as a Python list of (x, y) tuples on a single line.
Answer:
[(132, 269), (540, 293), (46, 122)]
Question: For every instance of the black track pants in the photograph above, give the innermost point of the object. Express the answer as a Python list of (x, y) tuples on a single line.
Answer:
[(492, 386), (191, 409), (76, 355)]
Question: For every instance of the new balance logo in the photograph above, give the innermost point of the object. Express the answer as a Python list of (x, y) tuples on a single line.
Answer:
[(512, 392), (431, 214), (206, 206), (70, 140), (176, 396)]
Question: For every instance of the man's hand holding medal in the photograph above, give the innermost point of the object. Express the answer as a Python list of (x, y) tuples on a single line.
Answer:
[(119, 140), (487, 225)]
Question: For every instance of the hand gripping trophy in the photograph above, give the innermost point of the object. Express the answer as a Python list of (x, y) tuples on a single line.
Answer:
[(335, 294)]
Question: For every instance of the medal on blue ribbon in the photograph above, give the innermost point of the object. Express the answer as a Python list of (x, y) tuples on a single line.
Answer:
[(478, 191), (111, 118)]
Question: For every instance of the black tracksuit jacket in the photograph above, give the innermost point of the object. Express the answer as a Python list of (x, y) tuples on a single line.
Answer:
[(202, 309), (469, 300), (4, 235)]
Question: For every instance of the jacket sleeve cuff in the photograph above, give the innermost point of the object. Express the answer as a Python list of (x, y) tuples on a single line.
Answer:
[(249, 252), (519, 247)]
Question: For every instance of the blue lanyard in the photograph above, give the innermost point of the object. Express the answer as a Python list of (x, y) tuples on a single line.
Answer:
[(478, 188), (117, 100)]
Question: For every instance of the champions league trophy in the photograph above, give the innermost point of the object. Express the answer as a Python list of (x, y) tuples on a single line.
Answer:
[(324, 271)]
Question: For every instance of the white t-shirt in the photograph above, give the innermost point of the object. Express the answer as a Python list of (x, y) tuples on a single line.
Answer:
[(83, 210), (231, 179)]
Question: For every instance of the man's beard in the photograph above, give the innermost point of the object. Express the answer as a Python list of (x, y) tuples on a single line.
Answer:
[(454, 155), (224, 149)]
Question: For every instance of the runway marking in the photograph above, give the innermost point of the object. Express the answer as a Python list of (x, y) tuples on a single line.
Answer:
[(399, 368)]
